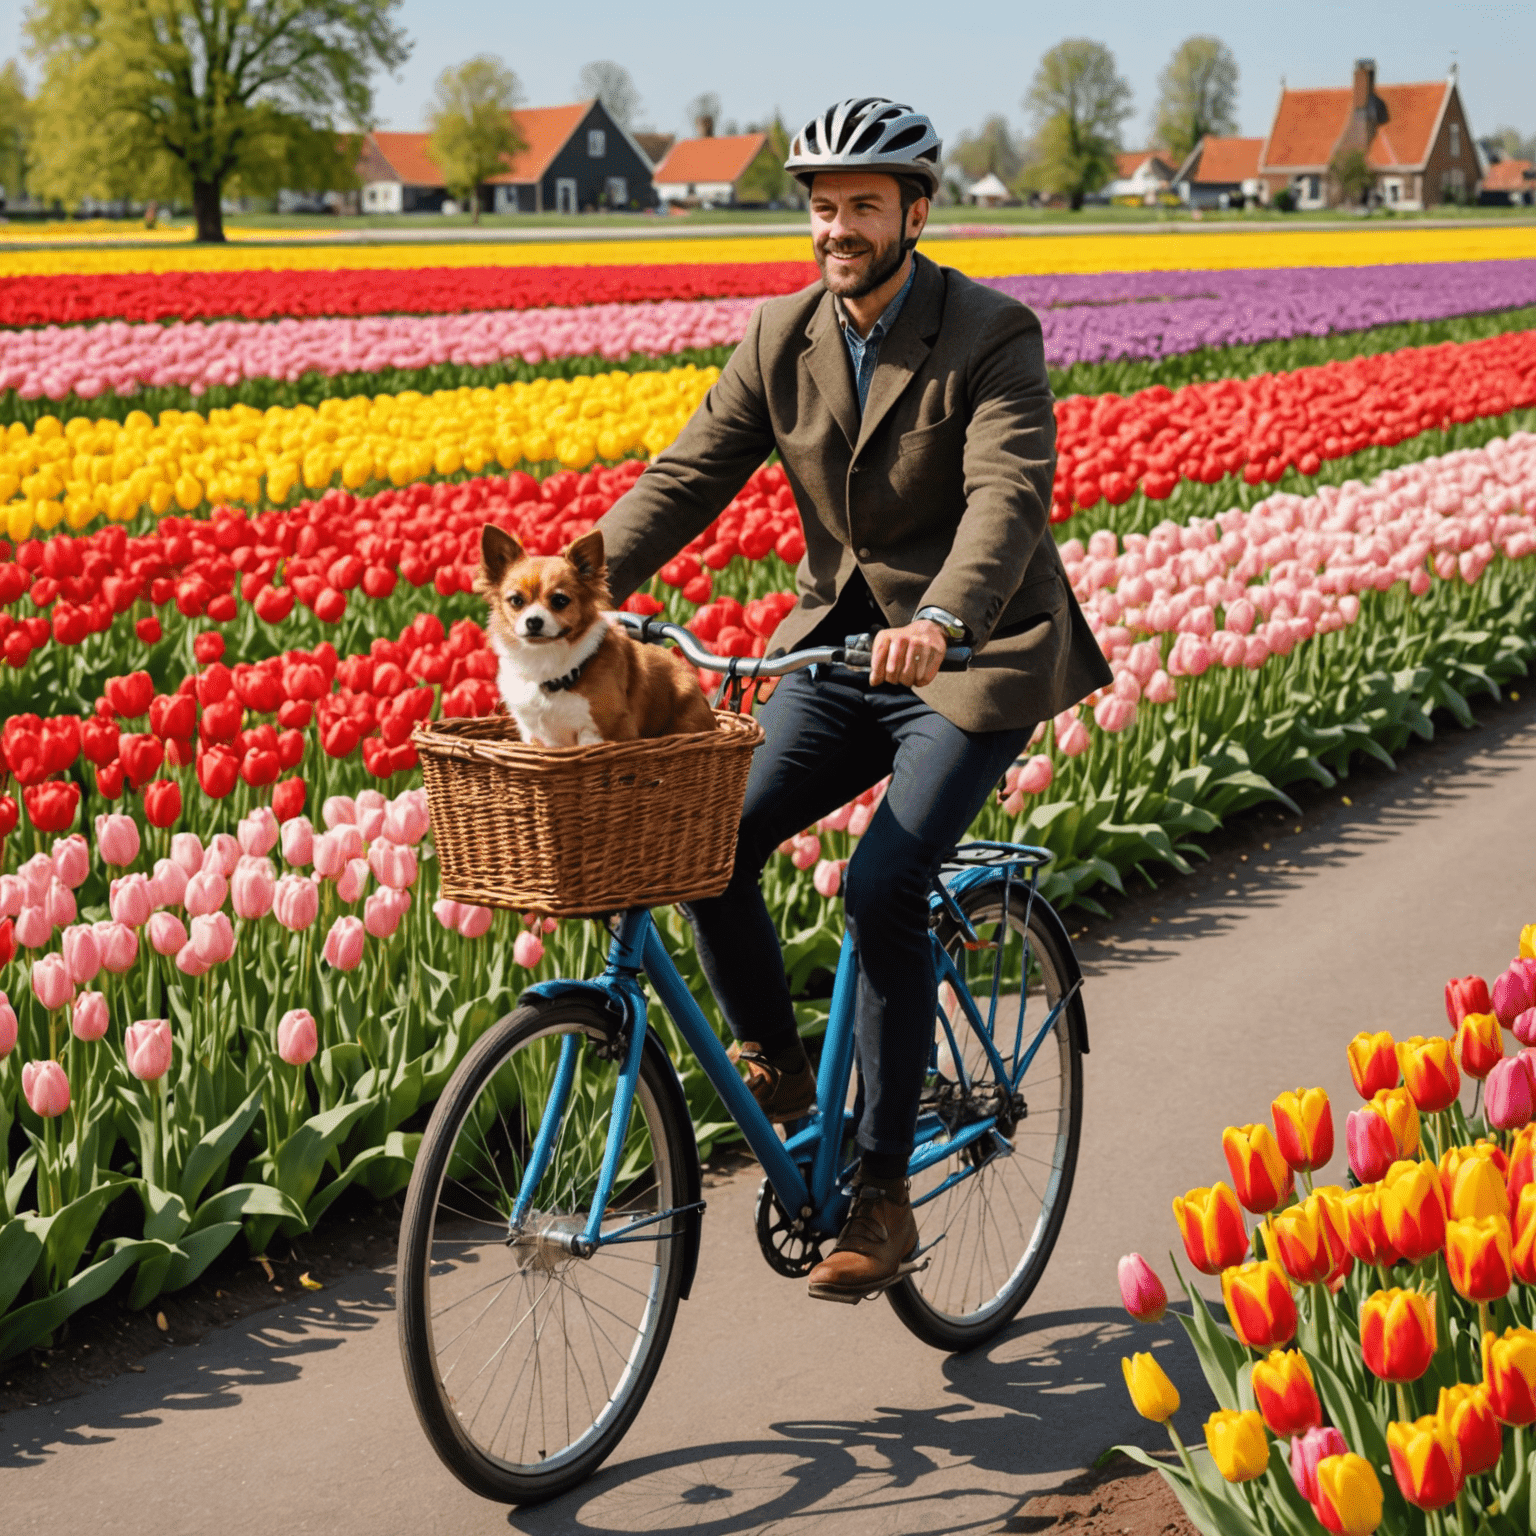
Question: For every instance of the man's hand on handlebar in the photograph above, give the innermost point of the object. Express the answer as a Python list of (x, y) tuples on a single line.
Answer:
[(908, 656)]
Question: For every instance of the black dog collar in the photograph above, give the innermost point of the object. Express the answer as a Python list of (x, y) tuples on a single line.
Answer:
[(560, 684)]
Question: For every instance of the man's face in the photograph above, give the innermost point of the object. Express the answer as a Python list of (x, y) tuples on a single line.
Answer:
[(856, 229)]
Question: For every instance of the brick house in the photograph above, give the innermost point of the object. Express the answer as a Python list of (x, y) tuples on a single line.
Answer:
[(577, 157), (1415, 138)]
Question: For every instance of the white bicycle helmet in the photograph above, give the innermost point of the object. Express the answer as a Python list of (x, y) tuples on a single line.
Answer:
[(868, 133)]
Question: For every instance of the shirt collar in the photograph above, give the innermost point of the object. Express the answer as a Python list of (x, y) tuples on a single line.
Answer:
[(888, 316)]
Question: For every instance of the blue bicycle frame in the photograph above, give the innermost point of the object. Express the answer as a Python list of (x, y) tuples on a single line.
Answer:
[(806, 1171)]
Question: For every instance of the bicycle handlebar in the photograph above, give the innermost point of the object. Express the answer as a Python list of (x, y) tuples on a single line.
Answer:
[(854, 653)]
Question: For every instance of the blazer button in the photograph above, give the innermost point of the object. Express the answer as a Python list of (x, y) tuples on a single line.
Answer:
[(863, 554)]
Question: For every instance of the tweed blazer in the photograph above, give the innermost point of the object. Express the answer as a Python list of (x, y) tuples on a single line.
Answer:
[(940, 493)]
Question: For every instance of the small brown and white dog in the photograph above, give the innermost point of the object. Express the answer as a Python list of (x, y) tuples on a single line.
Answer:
[(570, 675)]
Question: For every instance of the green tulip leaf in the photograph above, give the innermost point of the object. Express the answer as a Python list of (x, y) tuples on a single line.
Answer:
[(215, 1148)]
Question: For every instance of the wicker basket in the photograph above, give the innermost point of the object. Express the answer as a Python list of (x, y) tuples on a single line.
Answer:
[(575, 831)]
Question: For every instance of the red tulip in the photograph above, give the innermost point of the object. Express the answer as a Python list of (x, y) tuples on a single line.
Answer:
[(148, 630), (1467, 994), (51, 807), (218, 771), (288, 799), (162, 803), (208, 646)]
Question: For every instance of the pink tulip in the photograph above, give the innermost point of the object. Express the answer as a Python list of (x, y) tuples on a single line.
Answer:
[(1035, 776), (1515, 991), (258, 833), (1073, 739), (72, 860), (46, 1088), (1142, 661), (474, 922), (213, 938), (298, 842), (448, 912), (189, 962), (337, 810), (837, 821), (297, 1037), (1141, 1290), (222, 854), (329, 857), (62, 910), (13, 895), (33, 930), (38, 875), (168, 886), (828, 878), (1309, 1449), (131, 900), (1371, 1146), (50, 981), (1240, 616), (119, 946), (370, 821), (807, 850), (82, 954), (858, 822), (206, 892), (1160, 689), (117, 839), (90, 1017), (147, 1045), (252, 887), (295, 902), (352, 881), (527, 949), (1523, 1027), (7, 1027), (1509, 1094), (392, 864), (166, 934), (407, 820), (383, 911), (1114, 714), (344, 944), (349, 838), (187, 851)]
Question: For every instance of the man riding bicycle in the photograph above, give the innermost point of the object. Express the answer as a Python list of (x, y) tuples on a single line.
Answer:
[(912, 414)]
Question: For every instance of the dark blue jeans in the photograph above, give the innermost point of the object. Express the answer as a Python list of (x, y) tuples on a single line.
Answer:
[(827, 742)]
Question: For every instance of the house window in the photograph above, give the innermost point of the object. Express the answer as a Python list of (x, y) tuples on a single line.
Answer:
[(597, 143), (1455, 141), (1312, 189), (618, 192)]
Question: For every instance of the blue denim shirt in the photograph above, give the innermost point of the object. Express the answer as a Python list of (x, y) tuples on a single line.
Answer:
[(864, 351)]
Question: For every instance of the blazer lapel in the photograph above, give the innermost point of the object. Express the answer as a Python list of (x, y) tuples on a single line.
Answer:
[(905, 349), (827, 360)]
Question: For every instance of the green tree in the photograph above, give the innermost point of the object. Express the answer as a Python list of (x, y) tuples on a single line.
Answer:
[(473, 131), (990, 149), (1197, 95), (16, 115), (612, 85), (1513, 144), (1352, 175), (1077, 102), (766, 180), (156, 98)]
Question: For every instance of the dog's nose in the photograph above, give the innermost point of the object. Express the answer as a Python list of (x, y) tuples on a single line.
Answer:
[(533, 624)]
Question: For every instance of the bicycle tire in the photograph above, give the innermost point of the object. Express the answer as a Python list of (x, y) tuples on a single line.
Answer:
[(924, 1300), (437, 1253)]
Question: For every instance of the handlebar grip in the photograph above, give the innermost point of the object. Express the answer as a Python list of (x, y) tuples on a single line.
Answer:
[(956, 658), (857, 655)]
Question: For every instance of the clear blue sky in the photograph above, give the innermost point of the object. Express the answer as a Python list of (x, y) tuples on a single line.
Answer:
[(960, 65)]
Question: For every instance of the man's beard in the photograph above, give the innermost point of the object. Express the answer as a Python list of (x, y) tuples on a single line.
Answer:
[(884, 264)]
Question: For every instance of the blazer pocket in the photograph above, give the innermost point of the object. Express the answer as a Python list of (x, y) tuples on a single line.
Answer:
[(927, 461), (922, 439)]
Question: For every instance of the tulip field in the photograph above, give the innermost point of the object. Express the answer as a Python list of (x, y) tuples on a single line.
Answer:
[(240, 512), (1401, 1309)]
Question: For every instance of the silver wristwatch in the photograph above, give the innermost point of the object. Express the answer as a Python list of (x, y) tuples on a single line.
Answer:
[(954, 630)]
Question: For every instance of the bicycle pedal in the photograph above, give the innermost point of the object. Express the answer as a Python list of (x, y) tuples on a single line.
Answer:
[(852, 1298)]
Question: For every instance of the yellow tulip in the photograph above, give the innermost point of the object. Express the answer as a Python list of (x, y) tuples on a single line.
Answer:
[(1154, 1396), (1237, 1444)]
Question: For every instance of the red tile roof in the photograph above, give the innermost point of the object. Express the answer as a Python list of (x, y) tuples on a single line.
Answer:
[(545, 130), (694, 160), (1508, 176), (1229, 160), (1309, 124), (1130, 161)]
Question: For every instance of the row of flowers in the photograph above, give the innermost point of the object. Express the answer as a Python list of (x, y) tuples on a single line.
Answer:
[(1395, 1396)]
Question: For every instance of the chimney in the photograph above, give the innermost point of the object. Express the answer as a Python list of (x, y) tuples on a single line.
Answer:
[(1365, 83), (704, 126)]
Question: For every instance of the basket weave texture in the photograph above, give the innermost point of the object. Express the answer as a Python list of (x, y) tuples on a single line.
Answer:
[(576, 831)]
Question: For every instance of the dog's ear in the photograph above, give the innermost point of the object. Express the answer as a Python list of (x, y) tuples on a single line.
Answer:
[(499, 552), (586, 554)]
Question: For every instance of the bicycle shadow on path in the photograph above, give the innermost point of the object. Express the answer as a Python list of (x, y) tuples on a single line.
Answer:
[(269, 1349), (1024, 1416)]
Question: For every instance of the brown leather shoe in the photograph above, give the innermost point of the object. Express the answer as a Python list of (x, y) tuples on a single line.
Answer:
[(780, 1095), (876, 1247)]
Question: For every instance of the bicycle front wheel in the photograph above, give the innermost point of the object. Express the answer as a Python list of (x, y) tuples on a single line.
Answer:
[(991, 1231), (526, 1362)]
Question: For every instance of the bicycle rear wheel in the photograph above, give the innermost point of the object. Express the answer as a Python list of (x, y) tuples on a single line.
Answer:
[(992, 1232), (527, 1364)]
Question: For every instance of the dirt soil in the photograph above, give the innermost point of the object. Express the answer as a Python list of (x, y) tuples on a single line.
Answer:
[(1120, 1499)]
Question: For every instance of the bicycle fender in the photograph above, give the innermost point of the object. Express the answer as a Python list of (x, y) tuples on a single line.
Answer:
[(1077, 1017), (623, 1006)]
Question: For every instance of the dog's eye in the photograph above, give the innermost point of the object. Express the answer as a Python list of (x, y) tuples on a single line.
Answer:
[(559, 601), (517, 599)]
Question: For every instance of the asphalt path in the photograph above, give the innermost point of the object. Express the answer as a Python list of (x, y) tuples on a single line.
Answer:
[(773, 1413)]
